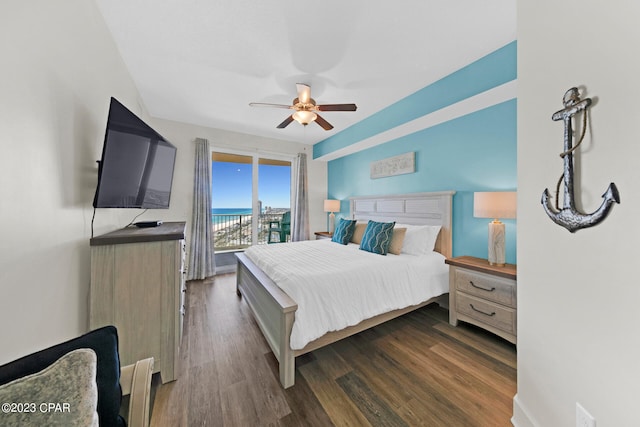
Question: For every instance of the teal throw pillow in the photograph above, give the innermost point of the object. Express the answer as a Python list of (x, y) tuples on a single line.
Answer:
[(377, 237), (344, 231)]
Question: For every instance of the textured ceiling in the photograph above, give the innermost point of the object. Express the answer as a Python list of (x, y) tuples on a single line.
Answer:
[(203, 61)]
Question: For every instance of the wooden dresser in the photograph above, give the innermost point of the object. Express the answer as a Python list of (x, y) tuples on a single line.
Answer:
[(483, 295), (138, 285)]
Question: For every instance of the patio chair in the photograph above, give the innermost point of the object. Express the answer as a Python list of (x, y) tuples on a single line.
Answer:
[(282, 227)]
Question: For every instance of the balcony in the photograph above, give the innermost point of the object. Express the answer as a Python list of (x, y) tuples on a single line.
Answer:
[(233, 232)]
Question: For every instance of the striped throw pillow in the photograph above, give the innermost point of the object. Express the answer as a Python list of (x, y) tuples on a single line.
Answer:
[(377, 237), (344, 231)]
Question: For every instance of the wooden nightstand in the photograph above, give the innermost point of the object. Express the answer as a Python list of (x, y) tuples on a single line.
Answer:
[(484, 295), (323, 235)]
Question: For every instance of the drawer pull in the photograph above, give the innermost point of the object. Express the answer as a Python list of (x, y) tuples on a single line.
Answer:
[(493, 313), (480, 287)]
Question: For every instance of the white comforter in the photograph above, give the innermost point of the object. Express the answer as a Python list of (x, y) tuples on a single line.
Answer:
[(337, 286)]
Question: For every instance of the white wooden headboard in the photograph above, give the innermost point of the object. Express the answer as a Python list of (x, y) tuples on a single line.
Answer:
[(413, 208)]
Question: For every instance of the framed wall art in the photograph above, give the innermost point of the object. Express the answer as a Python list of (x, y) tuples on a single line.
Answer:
[(397, 165)]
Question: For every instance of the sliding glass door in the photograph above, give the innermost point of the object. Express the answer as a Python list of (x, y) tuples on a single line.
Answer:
[(231, 200), (251, 194), (274, 195)]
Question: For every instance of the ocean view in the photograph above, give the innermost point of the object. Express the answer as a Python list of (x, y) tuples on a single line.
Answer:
[(232, 226), (244, 211), (219, 215), (231, 211)]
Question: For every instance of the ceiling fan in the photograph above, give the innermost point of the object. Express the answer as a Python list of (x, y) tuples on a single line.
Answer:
[(306, 109)]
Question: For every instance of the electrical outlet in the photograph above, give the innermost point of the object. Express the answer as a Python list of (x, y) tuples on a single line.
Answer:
[(583, 418)]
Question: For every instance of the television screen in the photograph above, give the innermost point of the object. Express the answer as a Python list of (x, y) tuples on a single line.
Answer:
[(136, 170)]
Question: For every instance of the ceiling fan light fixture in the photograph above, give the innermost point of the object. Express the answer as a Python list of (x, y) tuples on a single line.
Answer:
[(305, 108), (304, 117)]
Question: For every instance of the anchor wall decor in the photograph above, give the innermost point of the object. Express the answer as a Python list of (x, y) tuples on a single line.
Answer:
[(569, 217)]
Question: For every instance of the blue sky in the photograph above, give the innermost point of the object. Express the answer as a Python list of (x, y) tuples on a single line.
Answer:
[(232, 185)]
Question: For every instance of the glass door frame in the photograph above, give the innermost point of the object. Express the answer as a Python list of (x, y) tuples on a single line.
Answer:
[(256, 155)]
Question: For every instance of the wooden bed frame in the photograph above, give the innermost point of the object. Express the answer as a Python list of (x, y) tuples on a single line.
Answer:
[(274, 310)]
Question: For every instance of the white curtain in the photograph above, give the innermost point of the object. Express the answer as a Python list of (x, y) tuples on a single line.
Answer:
[(300, 220), (201, 257)]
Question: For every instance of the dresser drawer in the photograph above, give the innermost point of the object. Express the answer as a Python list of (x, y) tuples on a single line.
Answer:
[(490, 288), (503, 318)]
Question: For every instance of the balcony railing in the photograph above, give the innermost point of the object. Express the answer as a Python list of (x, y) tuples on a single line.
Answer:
[(232, 232)]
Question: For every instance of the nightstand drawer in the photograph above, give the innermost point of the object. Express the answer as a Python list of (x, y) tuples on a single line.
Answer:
[(498, 316), (487, 287)]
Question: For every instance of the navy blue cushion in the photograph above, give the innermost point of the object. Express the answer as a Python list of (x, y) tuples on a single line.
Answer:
[(104, 342), (344, 231), (377, 237)]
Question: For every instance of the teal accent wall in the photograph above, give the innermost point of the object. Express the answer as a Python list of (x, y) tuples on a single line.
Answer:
[(486, 73), (475, 152)]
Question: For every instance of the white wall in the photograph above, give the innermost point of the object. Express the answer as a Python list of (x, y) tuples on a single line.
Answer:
[(578, 296), (59, 67)]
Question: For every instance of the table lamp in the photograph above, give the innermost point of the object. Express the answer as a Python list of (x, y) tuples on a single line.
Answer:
[(332, 206), (498, 204)]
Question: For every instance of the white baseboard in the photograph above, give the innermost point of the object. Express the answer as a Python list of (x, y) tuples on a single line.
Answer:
[(520, 416)]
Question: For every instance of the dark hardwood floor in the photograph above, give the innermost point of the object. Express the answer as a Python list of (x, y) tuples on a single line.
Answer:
[(416, 370)]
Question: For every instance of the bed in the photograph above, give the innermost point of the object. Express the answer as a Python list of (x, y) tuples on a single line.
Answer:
[(275, 310)]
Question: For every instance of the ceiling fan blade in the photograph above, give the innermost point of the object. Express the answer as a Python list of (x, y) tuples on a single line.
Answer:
[(264, 104), (285, 123), (323, 123), (304, 93), (337, 107)]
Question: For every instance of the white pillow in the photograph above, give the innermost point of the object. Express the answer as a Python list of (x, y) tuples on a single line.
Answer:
[(419, 239)]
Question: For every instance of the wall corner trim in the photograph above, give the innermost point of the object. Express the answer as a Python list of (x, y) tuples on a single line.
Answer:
[(520, 416)]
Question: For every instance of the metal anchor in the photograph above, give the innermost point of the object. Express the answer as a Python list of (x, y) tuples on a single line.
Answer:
[(569, 217)]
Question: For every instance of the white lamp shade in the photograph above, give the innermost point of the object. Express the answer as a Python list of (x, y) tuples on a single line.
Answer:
[(332, 205), (304, 117), (495, 204)]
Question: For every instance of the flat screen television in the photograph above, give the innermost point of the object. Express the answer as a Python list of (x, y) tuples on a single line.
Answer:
[(136, 169)]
